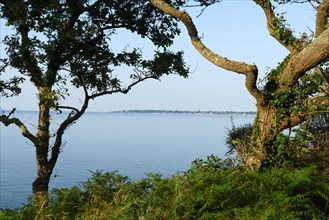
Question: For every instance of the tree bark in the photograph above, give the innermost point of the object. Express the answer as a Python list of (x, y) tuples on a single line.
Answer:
[(44, 171), (264, 134)]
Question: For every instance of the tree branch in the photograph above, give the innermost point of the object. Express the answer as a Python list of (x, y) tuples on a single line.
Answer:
[(322, 17), (322, 73), (28, 57), (5, 63), (121, 90), (277, 28), (311, 56), (313, 106), (250, 71), (25, 132), (71, 118), (79, 46), (67, 107), (58, 58)]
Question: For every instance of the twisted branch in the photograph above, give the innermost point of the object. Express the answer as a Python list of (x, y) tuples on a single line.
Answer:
[(250, 71)]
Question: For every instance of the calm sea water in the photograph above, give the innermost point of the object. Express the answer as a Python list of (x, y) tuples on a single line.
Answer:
[(133, 144)]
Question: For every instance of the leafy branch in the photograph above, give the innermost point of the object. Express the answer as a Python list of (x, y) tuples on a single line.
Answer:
[(278, 27)]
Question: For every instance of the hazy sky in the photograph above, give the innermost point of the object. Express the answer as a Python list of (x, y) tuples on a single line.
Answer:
[(234, 29)]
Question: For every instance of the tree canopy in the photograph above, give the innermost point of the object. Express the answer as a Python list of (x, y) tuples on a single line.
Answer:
[(58, 44), (59, 40)]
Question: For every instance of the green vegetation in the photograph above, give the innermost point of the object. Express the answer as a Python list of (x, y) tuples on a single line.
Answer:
[(62, 47), (210, 189), (302, 146)]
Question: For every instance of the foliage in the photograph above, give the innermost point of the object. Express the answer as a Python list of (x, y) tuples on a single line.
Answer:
[(75, 37), (210, 189), (302, 146), (305, 145), (64, 45), (313, 136), (238, 140)]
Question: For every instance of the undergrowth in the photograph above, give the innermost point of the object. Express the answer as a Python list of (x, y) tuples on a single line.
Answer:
[(210, 189)]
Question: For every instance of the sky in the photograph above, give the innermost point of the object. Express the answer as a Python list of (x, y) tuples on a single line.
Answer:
[(233, 28)]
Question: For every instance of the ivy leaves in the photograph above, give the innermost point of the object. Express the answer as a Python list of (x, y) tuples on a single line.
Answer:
[(295, 100)]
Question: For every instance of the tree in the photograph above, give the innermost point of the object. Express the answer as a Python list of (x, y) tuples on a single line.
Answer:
[(298, 89), (58, 44)]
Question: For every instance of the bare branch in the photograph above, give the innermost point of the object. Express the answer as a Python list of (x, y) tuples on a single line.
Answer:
[(71, 118), (311, 3), (122, 90), (5, 63), (25, 132), (109, 27), (67, 107), (249, 70), (216, 59), (11, 112)]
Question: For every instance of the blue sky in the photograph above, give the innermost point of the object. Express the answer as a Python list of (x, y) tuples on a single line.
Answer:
[(234, 29)]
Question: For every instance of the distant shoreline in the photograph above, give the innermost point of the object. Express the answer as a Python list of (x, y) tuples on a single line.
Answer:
[(187, 112), (182, 112)]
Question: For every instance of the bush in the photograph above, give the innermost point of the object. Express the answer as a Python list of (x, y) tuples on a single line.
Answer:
[(306, 145), (319, 143), (210, 189), (239, 140)]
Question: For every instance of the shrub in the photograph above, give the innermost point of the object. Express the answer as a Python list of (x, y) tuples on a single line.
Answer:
[(210, 189), (239, 140), (303, 146)]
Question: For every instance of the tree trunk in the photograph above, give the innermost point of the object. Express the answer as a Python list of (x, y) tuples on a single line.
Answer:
[(264, 135), (44, 171), (41, 183)]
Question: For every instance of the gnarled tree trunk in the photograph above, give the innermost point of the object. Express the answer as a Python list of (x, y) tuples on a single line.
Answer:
[(263, 137)]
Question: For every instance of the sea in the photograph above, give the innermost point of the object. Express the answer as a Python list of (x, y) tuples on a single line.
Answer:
[(133, 144)]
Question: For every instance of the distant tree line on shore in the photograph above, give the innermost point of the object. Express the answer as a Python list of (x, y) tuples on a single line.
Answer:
[(187, 112)]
